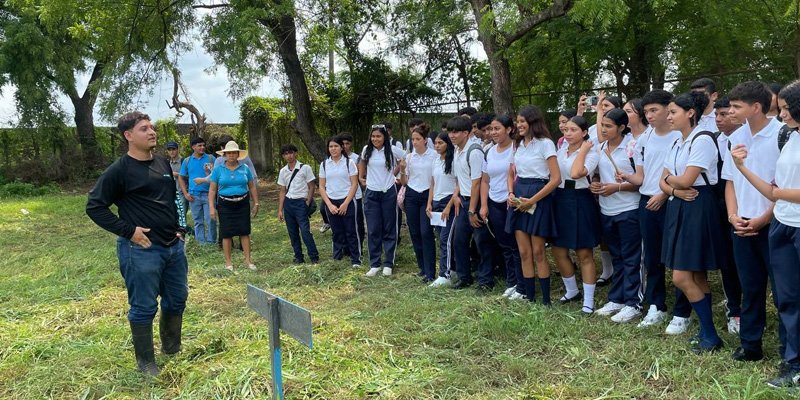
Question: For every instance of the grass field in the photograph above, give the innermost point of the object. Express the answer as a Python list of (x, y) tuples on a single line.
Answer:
[(64, 333)]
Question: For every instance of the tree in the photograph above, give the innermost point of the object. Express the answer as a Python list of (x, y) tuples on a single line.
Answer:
[(48, 45)]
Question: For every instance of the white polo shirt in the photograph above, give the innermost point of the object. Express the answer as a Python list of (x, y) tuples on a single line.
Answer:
[(593, 135), (650, 152), (702, 154), (708, 122), (530, 161), (355, 158), (496, 167), (337, 176), (618, 202), (762, 154), (722, 145), (380, 179), (443, 184), (299, 187), (467, 170), (419, 168), (787, 176), (565, 162)]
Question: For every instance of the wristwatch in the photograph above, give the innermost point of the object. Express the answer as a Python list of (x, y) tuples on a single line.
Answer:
[(470, 212)]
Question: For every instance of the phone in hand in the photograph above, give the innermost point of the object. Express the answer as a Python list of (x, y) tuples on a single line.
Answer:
[(591, 102)]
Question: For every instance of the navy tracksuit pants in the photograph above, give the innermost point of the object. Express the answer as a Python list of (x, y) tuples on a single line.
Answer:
[(784, 248), (380, 212), (445, 233), (483, 241), (498, 213), (421, 232), (624, 242)]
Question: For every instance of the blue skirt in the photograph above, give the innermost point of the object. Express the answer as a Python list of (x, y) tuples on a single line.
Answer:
[(692, 233), (578, 219), (542, 222)]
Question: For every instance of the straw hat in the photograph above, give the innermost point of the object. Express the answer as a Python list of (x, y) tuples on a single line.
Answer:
[(231, 147)]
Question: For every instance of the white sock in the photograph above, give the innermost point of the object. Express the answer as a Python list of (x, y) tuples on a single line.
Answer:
[(588, 295), (608, 266), (571, 285)]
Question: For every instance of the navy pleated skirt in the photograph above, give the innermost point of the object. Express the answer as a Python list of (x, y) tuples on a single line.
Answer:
[(542, 222), (692, 233), (578, 219)]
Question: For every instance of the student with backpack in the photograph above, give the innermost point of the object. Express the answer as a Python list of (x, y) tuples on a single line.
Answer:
[(750, 212), (296, 202), (441, 199), (532, 178), (338, 180), (358, 203)]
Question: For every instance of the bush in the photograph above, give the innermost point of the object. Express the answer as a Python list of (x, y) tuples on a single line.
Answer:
[(22, 189)]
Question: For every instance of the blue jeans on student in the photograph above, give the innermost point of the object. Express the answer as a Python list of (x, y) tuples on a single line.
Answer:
[(295, 213), (483, 242), (380, 211), (202, 219), (445, 238), (624, 242), (421, 232), (152, 272)]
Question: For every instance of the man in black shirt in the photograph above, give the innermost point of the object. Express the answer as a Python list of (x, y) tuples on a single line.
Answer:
[(150, 241)]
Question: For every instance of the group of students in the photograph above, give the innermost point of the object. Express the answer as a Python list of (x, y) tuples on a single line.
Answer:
[(690, 182)]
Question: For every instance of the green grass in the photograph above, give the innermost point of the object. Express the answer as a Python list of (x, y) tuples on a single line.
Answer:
[(64, 333)]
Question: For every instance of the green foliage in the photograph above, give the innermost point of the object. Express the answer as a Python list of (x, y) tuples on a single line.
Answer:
[(22, 189)]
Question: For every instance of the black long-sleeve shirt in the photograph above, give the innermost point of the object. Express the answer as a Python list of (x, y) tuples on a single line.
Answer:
[(144, 192)]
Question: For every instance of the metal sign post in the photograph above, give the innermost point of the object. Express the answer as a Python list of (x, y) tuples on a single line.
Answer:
[(282, 315)]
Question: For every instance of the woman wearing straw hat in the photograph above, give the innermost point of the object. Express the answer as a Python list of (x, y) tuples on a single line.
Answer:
[(231, 185)]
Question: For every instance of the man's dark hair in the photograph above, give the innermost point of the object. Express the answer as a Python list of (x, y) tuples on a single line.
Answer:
[(129, 120), (346, 136), (481, 119), (288, 148), (723, 102), (470, 111), (197, 140), (657, 96), (752, 92), (415, 122), (458, 124), (706, 84), (444, 125), (387, 125), (775, 87)]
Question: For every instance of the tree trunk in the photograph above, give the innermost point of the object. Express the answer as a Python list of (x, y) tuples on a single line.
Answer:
[(282, 28), (502, 97), (84, 125), (461, 65), (260, 145)]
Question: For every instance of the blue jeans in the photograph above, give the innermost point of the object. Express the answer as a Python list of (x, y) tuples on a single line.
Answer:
[(202, 219), (295, 213), (152, 272)]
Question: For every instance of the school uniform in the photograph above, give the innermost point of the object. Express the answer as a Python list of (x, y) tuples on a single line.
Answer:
[(359, 205), (466, 171), (380, 207), (731, 287), (650, 152), (444, 185), (593, 135), (419, 168), (619, 216), (533, 173), (295, 209), (708, 122), (337, 175), (784, 246), (496, 167), (752, 253), (576, 211)]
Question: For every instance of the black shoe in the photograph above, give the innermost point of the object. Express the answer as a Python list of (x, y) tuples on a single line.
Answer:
[(420, 274), (142, 335), (315, 260), (603, 281), (298, 261), (461, 284), (169, 326), (699, 348), (425, 279), (788, 379), (747, 355), (483, 290), (694, 340), (565, 300)]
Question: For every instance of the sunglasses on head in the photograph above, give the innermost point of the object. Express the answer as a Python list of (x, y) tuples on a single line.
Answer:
[(378, 126)]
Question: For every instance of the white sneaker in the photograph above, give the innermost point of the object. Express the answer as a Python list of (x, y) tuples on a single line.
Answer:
[(387, 271), (517, 296), (609, 308), (324, 228), (678, 325), (509, 291), (654, 316), (733, 325), (373, 271), (440, 281), (626, 314)]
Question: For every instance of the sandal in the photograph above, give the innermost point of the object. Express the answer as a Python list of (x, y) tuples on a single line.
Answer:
[(251, 266)]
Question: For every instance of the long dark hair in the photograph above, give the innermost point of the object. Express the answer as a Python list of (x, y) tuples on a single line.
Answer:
[(791, 95), (387, 147), (619, 117), (449, 154), (696, 101), (537, 126), (638, 108), (338, 139)]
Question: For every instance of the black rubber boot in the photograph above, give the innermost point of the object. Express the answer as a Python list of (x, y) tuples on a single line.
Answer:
[(143, 348), (169, 327)]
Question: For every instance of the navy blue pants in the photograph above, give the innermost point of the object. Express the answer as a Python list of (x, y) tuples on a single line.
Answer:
[(295, 213), (651, 225), (498, 216), (731, 286), (463, 233), (753, 264), (624, 242), (445, 238), (362, 232), (421, 232), (784, 247), (380, 211), (345, 232), (152, 272)]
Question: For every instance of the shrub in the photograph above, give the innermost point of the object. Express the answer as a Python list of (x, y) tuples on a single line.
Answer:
[(22, 189)]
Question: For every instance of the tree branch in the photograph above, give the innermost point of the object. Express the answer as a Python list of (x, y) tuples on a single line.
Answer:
[(558, 9), (210, 6)]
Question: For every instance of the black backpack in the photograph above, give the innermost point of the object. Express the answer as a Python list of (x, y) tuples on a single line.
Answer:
[(783, 136)]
